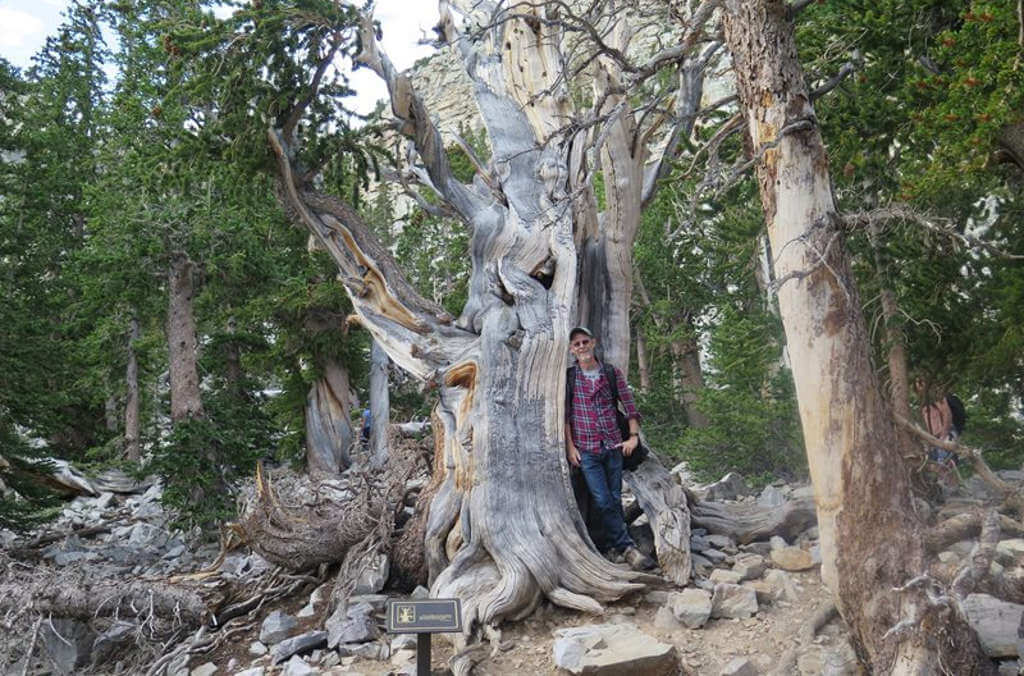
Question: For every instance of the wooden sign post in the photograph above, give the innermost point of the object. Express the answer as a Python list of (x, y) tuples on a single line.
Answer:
[(423, 618)]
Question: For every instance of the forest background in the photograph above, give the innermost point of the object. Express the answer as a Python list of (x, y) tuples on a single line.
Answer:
[(126, 210)]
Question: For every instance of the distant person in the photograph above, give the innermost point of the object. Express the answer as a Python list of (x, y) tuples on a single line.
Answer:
[(364, 435), (937, 413), (595, 444)]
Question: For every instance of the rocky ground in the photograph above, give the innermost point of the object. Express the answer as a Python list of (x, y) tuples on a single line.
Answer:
[(757, 608)]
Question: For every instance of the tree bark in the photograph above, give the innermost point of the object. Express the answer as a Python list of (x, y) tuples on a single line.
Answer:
[(691, 378), (896, 352), (380, 406), (131, 405), (862, 486), (642, 362), (181, 340), (329, 433)]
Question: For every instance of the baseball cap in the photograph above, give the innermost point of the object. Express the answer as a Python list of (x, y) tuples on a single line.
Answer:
[(580, 329)]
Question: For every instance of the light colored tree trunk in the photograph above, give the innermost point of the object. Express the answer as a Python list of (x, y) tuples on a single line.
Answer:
[(131, 405), (380, 406), (328, 422), (181, 341), (643, 364), (861, 484), (896, 350)]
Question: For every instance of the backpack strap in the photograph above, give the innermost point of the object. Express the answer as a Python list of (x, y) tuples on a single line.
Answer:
[(570, 388), (613, 382)]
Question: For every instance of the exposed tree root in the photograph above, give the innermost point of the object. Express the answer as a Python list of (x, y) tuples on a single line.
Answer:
[(664, 502), (825, 613)]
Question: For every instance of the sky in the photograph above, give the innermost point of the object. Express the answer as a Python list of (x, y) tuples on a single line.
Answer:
[(25, 24)]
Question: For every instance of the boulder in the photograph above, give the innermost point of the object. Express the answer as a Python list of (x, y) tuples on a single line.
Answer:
[(729, 487), (1010, 552), (759, 548), (722, 542), (608, 649), (782, 586), (296, 645), (297, 667), (739, 666), (995, 622), (354, 624), (777, 542), (276, 627), (68, 643), (691, 607), (701, 565), (204, 669), (714, 555), (792, 559), (665, 620), (770, 497), (749, 566), (374, 576), (732, 601)]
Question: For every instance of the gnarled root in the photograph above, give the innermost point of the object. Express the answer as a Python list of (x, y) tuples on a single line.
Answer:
[(746, 524)]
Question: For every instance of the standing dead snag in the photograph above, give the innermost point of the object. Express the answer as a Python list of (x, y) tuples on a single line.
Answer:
[(862, 485)]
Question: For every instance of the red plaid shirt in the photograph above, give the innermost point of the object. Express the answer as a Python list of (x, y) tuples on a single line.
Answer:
[(592, 416)]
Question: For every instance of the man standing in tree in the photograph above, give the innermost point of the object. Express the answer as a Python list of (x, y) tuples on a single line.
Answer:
[(595, 444), (938, 420)]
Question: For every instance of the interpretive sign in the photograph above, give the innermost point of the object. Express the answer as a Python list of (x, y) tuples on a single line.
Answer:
[(425, 616)]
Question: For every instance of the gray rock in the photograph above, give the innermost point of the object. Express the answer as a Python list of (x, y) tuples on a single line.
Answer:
[(782, 585), (330, 659), (749, 566), (316, 601), (840, 661), (698, 543), (692, 607), (729, 487), (613, 649), (1008, 668), (109, 641), (739, 666), (374, 577), (152, 494), (68, 644), (759, 548), (420, 592), (297, 645), (257, 649), (147, 536), (354, 624), (665, 620), (701, 565), (403, 642), (777, 542), (723, 542), (104, 500), (770, 497), (276, 627), (367, 651), (995, 622), (297, 667), (376, 601), (1010, 552), (658, 597), (733, 601), (714, 555), (253, 671), (66, 558), (204, 669)]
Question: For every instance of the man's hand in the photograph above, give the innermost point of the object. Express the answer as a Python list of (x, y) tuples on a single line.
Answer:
[(629, 445), (573, 455)]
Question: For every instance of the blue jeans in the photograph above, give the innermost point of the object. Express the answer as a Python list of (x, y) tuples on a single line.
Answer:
[(603, 474)]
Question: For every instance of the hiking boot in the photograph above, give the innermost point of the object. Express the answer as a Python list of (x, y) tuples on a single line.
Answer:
[(637, 560)]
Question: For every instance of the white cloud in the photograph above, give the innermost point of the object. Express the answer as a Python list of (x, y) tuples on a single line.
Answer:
[(19, 29)]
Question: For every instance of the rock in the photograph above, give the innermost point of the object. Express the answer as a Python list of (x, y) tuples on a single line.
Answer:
[(701, 565), (403, 656), (759, 548), (722, 575), (739, 666), (374, 577), (777, 542), (147, 536), (297, 667), (714, 555), (257, 649), (420, 593), (815, 552), (763, 590), (253, 671), (963, 548), (1008, 668), (376, 601), (665, 619), (749, 566), (297, 645), (403, 642), (68, 643), (204, 669), (692, 607), (995, 622), (106, 643), (1010, 552), (792, 559), (608, 649), (729, 487), (351, 625), (104, 500), (781, 584), (770, 497), (698, 543), (276, 627), (658, 597), (840, 661), (367, 651), (316, 601), (733, 601), (810, 663), (722, 542)]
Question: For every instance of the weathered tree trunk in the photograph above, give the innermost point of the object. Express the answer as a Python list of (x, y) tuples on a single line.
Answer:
[(181, 341), (131, 404), (380, 406), (862, 487), (642, 362), (328, 421), (691, 378), (896, 352)]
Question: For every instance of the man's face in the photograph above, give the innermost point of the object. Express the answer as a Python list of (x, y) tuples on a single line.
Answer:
[(582, 347)]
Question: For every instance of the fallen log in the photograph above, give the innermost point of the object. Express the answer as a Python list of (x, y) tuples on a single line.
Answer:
[(748, 523), (664, 502)]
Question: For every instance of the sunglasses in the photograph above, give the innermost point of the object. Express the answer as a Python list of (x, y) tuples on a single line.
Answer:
[(581, 343)]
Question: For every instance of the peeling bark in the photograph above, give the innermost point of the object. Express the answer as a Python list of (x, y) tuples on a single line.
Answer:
[(862, 486), (329, 434), (380, 406)]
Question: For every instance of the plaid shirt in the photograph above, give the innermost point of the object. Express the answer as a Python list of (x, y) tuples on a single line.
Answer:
[(592, 418)]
